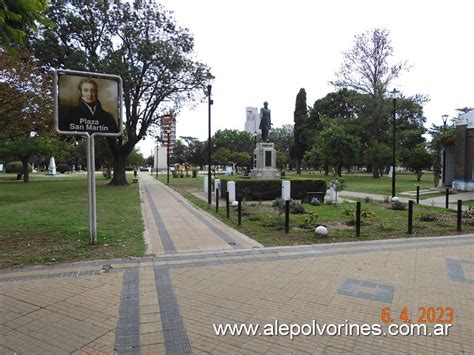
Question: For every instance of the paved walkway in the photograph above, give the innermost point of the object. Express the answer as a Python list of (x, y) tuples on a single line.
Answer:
[(169, 303), (173, 225)]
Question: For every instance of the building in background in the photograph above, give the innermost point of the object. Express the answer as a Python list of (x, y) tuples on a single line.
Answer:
[(168, 124), (464, 153), (252, 120)]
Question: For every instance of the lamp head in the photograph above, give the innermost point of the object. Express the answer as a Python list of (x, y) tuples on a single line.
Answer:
[(394, 94), (445, 119)]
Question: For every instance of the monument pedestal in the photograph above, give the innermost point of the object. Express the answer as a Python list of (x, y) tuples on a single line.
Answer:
[(264, 162)]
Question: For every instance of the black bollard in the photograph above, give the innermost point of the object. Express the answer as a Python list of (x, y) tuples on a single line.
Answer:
[(417, 195), (239, 211), (217, 200), (358, 219), (459, 215), (447, 198), (227, 204), (287, 216), (410, 217)]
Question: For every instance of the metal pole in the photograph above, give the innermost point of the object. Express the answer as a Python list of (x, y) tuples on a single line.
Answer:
[(459, 215), (393, 142), (156, 160), (417, 195), (168, 159), (447, 198), (217, 200), (91, 190), (239, 211), (227, 204), (410, 217), (358, 219), (209, 90), (287, 216)]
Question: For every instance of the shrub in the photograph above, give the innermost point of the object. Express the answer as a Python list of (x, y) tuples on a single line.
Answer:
[(16, 167), (195, 173), (175, 173), (62, 168), (426, 217), (295, 206), (399, 206), (271, 189)]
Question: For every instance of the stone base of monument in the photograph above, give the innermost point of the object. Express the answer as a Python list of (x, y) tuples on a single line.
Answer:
[(264, 162)]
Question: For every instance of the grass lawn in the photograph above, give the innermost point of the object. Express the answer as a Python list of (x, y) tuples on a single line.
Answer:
[(468, 203), (363, 182), (266, 225), (45, 221)]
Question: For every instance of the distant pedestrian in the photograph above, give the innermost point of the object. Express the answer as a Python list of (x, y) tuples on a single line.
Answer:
[(135, 171)]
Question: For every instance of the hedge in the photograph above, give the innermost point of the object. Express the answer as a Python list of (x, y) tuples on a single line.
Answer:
[(271, 189), (16, 167)]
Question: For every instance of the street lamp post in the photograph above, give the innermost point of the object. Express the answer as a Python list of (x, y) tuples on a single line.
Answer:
[(168, 158), (394, 94), (443, 178), (210, 102)]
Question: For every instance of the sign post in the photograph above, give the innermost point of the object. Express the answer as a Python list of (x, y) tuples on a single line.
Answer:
[(88, 104)]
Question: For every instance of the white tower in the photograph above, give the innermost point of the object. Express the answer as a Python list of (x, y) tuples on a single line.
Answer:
[(252, 120)]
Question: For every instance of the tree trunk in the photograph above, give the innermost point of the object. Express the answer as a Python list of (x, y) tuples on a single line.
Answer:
[(339, 170), (26, 174), (326, 169), (298, 167), (119, 177), (375, 169)]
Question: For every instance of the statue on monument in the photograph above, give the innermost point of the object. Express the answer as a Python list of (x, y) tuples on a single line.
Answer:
[(265, 121)]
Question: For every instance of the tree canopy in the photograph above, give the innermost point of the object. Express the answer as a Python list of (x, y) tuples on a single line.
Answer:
[(142, 44)]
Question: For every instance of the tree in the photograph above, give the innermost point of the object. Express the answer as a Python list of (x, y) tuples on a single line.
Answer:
[(282, 137), (25, 109), (420, 158), (135, 158), (301, 132), (142, 44), (234, 140), (334, 145), (367, 69), (18, 17)]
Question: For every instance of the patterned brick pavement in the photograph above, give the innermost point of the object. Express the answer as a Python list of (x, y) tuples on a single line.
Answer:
[(168, 303)]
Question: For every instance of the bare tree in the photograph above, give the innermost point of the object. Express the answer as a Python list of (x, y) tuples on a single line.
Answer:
[(367, 69)]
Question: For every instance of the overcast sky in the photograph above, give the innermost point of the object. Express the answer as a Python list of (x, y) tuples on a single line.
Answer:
[(262, 50)]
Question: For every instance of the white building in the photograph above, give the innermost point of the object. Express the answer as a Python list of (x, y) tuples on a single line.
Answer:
[(168, 124), (252, 120)]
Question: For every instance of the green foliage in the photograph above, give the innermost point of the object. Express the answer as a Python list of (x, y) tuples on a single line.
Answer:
[(334, 145), (310, 221), (62, 168), (302, 134), (271, 189), (295, 206), (399, 206), (135, 158), (350, 211), (420, 158), (16, 167), (195, 172), (153, 55), (18, 17)]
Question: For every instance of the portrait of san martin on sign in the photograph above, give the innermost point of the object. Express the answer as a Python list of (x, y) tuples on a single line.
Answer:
[(88, 104)]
